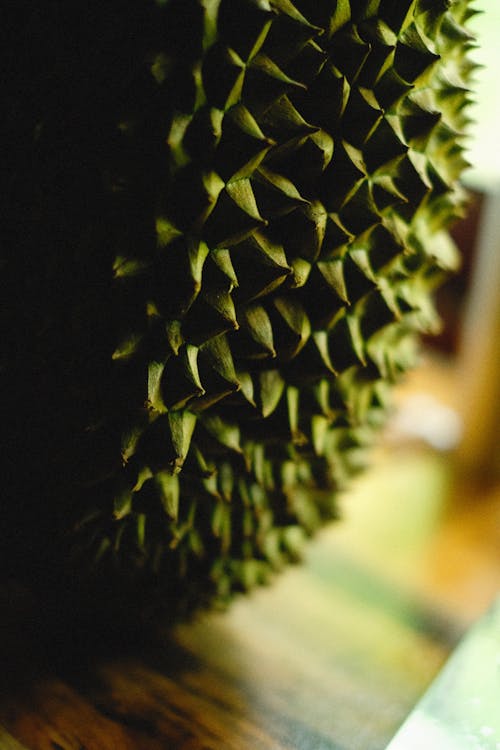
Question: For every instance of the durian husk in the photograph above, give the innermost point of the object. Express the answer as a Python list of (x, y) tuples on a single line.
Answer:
[(227, 221)]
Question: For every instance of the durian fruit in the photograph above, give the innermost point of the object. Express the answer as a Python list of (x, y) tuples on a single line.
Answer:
[(227, 219)]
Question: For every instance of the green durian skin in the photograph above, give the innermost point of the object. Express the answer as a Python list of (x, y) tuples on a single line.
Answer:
[(226, 220)]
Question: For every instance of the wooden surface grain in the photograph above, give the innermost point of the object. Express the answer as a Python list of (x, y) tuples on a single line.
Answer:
[(332, 656)]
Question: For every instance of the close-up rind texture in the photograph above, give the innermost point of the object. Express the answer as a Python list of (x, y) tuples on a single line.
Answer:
[(227, 221)]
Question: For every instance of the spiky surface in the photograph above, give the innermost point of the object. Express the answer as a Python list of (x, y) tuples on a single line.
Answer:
[(233, 213)]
